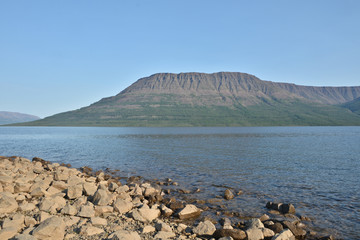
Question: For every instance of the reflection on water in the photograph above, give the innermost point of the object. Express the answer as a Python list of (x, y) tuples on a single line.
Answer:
[(316, 168)]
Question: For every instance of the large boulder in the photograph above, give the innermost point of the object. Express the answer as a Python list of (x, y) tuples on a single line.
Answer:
[(52, 228), (8, 203)]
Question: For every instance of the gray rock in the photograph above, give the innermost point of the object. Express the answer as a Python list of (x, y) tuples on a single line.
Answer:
[(74, 191)]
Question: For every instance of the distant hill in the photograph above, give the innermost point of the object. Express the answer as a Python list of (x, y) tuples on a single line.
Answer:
[(14, 117), (218, 99)]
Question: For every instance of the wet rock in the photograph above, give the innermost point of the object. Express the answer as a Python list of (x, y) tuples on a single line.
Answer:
[(124, 235), (228, 195), (287, 208), (8, 203), (276, 227), (226, 223), (190, 211), (52, 228), (176, 205), (204, 228), (236, 234), (284, 235), (298, 232)]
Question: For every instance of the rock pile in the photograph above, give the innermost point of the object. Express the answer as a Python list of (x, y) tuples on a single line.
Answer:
[(43, 200)]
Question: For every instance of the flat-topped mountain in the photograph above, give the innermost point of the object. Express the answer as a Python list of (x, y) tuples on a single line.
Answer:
[(218, 99), (14, 117)]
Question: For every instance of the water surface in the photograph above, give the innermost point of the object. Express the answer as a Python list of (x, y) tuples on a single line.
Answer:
[(315, 168)]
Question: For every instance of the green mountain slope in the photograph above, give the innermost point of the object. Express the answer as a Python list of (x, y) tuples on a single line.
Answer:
[(353, 106), (219, 99)]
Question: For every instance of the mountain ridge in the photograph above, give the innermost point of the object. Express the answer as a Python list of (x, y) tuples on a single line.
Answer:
[(217, 99), (15, 117)]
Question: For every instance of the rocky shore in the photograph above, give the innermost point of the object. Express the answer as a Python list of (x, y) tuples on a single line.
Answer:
[(43, 200)]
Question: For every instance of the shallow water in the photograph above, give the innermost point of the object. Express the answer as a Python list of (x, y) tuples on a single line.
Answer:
[(315, 168)]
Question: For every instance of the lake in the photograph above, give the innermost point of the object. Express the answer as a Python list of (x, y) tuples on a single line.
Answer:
[(315, 168)]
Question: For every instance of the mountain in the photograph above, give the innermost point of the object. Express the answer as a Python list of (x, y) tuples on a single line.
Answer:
[(218, 99), (14, 117), (353, 106)]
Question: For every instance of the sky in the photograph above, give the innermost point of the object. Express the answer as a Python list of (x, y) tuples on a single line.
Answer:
[(57, 56)]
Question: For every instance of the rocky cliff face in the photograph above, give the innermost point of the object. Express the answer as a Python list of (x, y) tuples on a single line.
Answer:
[(239, 86)]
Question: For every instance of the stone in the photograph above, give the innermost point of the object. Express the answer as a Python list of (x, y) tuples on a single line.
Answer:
[(264, 218), (276, 227), (165, 211), (98, 221), (17, 221), (43, 216), (22, 187), (7, 233), (124, 235), (26, 206), (268, 233), (68, 209), (284, 235), (29, 221), (113, 186), (226, 223), (87, 230), (99, 210), (52, 228), (38, 192), (205, 228), (254, 229), (236, 234), (226, 238), (145, 214), (86, 211), (74, 180), (164, 235), (74, 191), (59, 185), (228, 195), (61, 174), (24, 237), (8, 203), (148, 229), (287, 208), (298, 232), (6, 180), (161, 226), (122, 206), (190, 211), (101, 198), (122, 189)]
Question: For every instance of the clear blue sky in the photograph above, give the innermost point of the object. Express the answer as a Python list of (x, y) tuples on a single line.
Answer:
[(57, 56)]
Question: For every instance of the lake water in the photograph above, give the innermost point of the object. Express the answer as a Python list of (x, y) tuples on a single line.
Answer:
[(315, 168)]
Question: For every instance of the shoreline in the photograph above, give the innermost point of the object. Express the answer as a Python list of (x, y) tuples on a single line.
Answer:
[(39, 198)]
